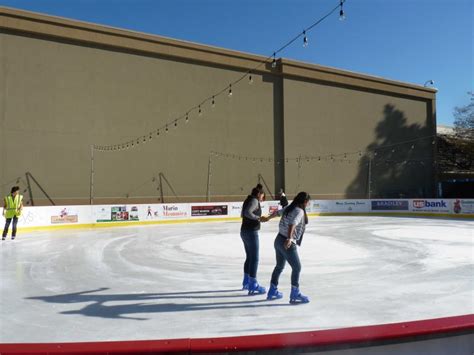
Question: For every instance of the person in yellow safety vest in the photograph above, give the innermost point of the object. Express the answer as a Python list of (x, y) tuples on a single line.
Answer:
[(12, 207)]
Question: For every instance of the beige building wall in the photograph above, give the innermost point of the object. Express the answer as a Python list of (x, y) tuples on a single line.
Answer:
[(67, 85), (324, 121), (61, 98)]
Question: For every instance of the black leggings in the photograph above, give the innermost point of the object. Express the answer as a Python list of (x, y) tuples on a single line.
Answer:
[(7, 226)]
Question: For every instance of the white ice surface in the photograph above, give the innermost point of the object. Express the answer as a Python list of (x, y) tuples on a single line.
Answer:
[(179, 281)]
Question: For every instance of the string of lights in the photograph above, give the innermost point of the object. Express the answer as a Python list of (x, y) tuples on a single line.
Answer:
[(335, 157), (228, 90)]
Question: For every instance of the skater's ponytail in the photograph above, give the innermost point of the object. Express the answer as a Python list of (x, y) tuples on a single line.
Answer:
[(298, 201), (257, 190)]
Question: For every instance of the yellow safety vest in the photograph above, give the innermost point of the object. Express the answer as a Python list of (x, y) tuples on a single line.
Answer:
[(13, 206)]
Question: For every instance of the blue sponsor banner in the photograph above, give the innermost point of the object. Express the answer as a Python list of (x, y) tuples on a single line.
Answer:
[(390, 205)]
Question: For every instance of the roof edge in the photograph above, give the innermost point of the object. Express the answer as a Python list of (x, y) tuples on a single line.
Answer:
[(84, 32)]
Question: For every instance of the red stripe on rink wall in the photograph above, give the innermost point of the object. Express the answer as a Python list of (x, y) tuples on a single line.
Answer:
[(450, 326)]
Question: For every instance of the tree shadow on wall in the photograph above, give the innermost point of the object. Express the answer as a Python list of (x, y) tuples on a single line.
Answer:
[(388, 169)]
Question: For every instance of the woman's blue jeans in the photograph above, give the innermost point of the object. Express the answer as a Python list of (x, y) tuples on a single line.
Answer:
[(282, 256), (251, 244)]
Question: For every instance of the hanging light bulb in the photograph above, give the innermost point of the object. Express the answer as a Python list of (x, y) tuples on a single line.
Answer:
[(187, 117), (274, 62), (200, 111), (157, 132), (305, 40), (250, 79), (213, 102), (413, 146), (144, 139), (342, 15), (166, 129), (175, 123), (230, 91)]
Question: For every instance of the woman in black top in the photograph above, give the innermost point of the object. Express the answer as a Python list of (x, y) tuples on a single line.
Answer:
[(251, 218)]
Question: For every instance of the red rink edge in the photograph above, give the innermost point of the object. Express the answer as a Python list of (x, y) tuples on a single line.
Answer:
[(364, 334)]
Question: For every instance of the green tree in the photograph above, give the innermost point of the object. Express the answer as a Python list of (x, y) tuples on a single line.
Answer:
[(464, 119)]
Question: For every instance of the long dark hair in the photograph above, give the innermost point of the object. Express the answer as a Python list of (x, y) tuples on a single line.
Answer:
[(298, 201), (257, 190)]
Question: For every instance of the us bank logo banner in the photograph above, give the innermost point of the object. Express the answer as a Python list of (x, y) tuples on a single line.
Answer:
[(439, 206)]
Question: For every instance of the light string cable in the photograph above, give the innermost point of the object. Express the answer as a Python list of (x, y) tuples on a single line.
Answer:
[(199, 107), (373, 152)]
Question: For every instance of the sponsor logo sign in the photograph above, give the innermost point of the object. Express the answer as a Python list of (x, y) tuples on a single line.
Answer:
[(351, 206), (174, 211), (431, 206), (119, 213), (234, 209), (272, 209), (463, 206), (209, 210), (65, 216), (390, 205), (320, 206), (151, 212)]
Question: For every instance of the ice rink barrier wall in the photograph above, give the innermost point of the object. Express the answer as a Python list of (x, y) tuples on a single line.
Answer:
[(60, 217), (452, 335)]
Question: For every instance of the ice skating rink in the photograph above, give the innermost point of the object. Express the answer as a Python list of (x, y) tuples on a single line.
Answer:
[(183, 280)]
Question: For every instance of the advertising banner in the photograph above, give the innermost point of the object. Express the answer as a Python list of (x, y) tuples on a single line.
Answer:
[(463, 206), (235, 209), (269, 207), (390, 205), (359, 206), (116, 213), (45, 216), (209, 210), (431, 205), (65, 215), (172, 211), (321, 206)]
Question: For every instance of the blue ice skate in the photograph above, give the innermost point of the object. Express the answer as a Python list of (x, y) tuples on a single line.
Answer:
[(245, 282), (297, 297), (255, 288), (273, 293)]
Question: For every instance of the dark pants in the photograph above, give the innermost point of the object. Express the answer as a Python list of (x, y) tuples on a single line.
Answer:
[(282, 256), (251, 244), (7, 226)]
